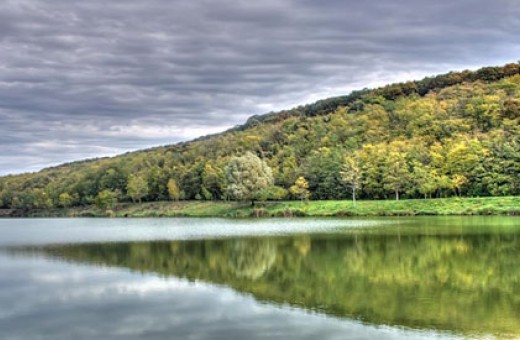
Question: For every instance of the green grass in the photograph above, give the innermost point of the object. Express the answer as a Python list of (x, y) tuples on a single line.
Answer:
[(445, 206)]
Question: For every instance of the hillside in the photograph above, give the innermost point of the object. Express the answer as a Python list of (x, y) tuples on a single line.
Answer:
[(454, 134)]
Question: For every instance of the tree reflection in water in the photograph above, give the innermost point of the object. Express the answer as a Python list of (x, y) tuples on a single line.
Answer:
[(468, 284), (251, 258)]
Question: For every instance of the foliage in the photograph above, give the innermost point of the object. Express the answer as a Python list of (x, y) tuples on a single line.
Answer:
[(106, 199), (276, 208), (456, 134), (65, 200), (173, 190), (137, 187), (246, 176), (352, 173), (300, 189), (273, 193)]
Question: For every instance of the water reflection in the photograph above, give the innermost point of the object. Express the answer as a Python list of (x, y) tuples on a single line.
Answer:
[(467, 283), (251, 258)]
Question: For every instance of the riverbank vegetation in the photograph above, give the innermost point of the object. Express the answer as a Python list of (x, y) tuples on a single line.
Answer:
[(442, 206), (454, 135)]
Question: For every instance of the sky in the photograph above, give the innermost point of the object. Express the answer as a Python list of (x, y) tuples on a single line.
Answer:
[(84, 79)]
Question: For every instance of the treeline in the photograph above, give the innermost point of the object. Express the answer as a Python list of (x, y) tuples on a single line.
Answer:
[(456, 134), (393, 91)]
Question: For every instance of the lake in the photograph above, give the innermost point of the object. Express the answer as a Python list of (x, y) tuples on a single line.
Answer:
[(187, 278)]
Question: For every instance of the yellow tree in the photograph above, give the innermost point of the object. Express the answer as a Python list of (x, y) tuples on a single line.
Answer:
[(300, 188), (137, 187), (458, 181), (173, 190), (396, 172), (352, 173)]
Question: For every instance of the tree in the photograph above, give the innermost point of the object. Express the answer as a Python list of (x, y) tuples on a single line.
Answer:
[(372, 159), (191, 181), (396, 173), (351, 174), (173, 190), (41, 199), (246, 176), (113, 178), (212, 178), (444, 182), (65, 200), (274, 193), (157, 179), (322, 171), (471, 130), (6, 197), (458, 182), (425, 179), (137, 187), (300, 188), (106, 199)]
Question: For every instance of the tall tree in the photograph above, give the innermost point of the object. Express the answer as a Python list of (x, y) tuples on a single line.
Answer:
[(396, 173), (351, 173), (424, 178), (137, 187), (173, 190)]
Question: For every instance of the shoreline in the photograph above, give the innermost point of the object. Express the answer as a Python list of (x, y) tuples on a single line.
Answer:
[(509, 205)]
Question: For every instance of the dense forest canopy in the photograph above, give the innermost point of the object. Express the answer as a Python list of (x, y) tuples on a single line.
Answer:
[(454, 134)]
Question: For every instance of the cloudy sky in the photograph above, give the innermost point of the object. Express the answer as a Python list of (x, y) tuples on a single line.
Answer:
[(81, 79)]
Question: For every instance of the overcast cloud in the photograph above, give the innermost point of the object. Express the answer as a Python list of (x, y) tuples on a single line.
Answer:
[(81, 79)]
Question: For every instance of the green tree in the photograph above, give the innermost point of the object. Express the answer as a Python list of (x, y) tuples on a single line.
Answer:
[(41, 199), (322, 170), (274, 193), (113, 178), (191, 181), (106, 199), (424, 179), (137, 187), (65, 200), (396, 173), (246, 176), (372, 159), (157, 178), (212, 181)]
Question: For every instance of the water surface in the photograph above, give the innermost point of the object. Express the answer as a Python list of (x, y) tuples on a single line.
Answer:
[(440, 277)]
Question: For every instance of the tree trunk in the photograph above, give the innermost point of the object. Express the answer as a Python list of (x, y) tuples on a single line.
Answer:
[(397, 195), (354, 196)]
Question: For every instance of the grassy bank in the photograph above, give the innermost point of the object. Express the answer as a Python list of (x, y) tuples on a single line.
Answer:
[(446, 206)]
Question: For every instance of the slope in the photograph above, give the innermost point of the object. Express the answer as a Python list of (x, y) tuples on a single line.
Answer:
[(454, 134)]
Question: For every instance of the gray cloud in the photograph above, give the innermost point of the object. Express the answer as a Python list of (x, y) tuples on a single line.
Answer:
[(92, 78)]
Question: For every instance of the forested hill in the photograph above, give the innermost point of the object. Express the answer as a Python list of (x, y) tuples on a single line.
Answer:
[(454, 134)]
